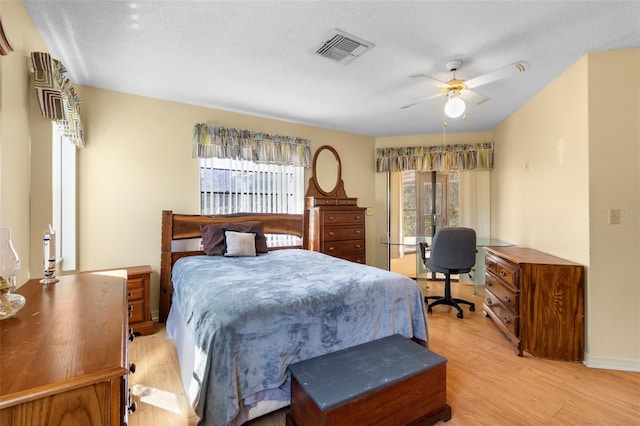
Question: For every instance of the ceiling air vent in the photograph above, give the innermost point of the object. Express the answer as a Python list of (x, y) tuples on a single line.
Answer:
[(344, 48)]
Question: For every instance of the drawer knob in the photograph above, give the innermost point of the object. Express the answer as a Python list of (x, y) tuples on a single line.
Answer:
[(131, 406), (331, 248), (129, 294), (132, 336), (489, 283), (130, 308), (489, 301), (357, 217), (358, 246), (488, 264), (357, 231), (132, 368), (507, 298), (506, 319), (503, 272), (331, 218), (332, 233)]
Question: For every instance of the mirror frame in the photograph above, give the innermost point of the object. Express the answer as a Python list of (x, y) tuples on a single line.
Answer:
[(314, 189), (338, 175)]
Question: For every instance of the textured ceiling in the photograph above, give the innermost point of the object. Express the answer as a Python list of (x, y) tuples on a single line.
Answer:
[(258, 57)]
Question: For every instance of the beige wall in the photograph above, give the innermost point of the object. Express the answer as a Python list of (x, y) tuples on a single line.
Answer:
[(614, 183), (15, 138), (562, 160), (138, 162), (541, 174)]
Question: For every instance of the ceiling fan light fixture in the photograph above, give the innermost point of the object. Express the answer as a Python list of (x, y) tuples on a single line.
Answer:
[(455, 106)]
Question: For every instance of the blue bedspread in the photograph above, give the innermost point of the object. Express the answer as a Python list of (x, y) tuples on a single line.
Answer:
[(253, 316)]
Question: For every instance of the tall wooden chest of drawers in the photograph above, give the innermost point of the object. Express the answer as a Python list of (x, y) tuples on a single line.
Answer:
[(335, 227), (537, 301)]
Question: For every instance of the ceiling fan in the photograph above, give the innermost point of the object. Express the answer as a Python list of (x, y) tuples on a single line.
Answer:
[(459, 91)]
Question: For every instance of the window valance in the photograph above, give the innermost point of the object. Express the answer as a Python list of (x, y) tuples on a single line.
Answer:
[(5, 44), (57, 97), (211, 141), (478, 156)]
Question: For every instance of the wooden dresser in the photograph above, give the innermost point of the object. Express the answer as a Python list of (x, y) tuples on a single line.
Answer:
[(336, 229), (63, 359), (537, 300), (334, 224)]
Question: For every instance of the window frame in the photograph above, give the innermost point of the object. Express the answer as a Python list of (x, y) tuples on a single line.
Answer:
[(64, 199)]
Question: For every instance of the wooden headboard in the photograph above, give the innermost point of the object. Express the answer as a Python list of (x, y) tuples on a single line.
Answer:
[(183, 226)]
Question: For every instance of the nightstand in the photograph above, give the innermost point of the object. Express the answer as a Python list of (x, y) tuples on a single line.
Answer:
[(138, 297)]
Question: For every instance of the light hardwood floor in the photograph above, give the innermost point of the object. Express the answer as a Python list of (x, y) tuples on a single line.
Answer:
[(487, 384)]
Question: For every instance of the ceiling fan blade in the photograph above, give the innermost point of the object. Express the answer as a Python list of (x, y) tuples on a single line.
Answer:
[(433, 81), (509, 70), (421, 101), (473, 97)]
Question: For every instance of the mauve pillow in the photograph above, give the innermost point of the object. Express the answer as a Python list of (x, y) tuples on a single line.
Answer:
[(213, 236)]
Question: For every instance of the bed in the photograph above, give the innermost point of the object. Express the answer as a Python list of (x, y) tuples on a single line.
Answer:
[(238, 322)]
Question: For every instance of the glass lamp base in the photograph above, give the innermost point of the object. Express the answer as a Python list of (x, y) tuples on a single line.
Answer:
[(10, 304)]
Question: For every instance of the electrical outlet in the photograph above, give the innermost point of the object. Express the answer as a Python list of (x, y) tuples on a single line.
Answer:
[(369, 211), (613, 216)]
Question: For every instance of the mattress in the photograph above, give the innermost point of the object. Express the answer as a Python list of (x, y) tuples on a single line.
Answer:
[(239, 322)]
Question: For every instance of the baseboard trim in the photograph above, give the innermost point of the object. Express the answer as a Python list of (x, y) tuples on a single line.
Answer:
[(619, 364)]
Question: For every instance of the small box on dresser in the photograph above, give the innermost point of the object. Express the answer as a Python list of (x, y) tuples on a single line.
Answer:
[(537, 301)]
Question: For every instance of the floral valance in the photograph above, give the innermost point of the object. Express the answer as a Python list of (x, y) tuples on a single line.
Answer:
[(477, 156), (57, 98), (220, 142), (5, 44)]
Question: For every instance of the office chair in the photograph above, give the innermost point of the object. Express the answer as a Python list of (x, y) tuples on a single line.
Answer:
[(453, 251)]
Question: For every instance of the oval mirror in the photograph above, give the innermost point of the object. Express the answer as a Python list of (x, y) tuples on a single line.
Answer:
[(327, 170)]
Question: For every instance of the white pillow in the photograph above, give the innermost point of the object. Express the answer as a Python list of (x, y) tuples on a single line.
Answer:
[(239, 243)]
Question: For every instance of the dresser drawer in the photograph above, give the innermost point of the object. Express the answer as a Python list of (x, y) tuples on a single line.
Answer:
[(503, 314), (343, 218), (507, 295), (343, 233), (352, 250), (502, 269), (136, 311), (323, 201), (135, 288)]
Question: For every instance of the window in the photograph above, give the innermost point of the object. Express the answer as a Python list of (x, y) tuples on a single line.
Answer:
[(418, 209), (64, 199), (242, 186)]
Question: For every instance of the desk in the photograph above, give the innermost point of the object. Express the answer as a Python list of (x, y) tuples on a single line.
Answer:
[(476, 276)]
